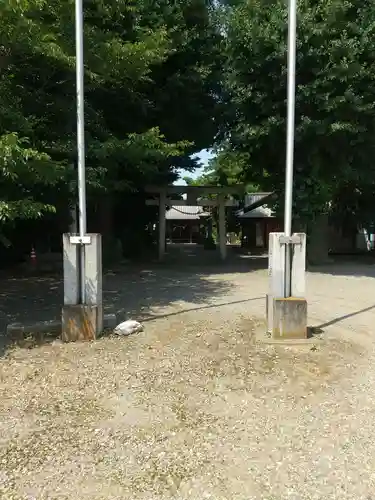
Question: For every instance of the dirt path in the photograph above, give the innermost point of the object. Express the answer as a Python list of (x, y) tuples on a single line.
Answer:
[(192, 408)]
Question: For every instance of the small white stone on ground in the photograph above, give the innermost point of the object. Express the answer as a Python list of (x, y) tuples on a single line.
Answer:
[(128, 327)]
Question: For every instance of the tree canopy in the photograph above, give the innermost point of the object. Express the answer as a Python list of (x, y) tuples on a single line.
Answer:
[(167, 78), (335, 91), (151, 74)]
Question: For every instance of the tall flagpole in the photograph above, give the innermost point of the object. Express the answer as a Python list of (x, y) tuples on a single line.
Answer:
[(80, 140), (82, 314), (292, 22)]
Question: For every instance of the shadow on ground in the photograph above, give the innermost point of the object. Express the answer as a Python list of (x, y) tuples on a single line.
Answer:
[(128, 293), (143, 292), (355, 266), (343, 317), (139, 294)]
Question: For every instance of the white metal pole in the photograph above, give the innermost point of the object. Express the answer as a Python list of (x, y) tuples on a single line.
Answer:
[(292, 22), (81, 138)]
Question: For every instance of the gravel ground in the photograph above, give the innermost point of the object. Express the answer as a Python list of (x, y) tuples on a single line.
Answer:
[(193, 407)]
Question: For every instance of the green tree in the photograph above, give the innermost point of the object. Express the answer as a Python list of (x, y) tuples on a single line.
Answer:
[(335, 114), (150, 97)]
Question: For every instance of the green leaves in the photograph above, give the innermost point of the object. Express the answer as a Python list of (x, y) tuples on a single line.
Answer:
[(21, 169), (150, 83), (26, 208), (335, 119), (18, 161)]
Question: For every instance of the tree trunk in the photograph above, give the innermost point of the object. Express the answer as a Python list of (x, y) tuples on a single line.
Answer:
[(318, 241)]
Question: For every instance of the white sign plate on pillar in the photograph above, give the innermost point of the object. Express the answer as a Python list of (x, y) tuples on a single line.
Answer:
[(276, 274), (80, 240)]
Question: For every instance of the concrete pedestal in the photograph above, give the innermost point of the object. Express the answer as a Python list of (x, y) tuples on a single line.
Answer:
[(82, 321), (283, 312), (289, 318), (276, 274)]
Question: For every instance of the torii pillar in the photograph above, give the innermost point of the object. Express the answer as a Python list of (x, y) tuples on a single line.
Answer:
[(222, 227), (162, 223)]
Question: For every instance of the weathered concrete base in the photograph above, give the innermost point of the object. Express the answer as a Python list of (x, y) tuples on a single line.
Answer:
[(315, 338), (289, 318), (277, 275), (80, 322), (16, 330)]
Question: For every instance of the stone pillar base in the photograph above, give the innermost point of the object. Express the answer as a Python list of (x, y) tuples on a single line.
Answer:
[(81, 322), (289, 318)]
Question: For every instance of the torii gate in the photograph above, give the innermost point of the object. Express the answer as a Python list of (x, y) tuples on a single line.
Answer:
[(195, 197)]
